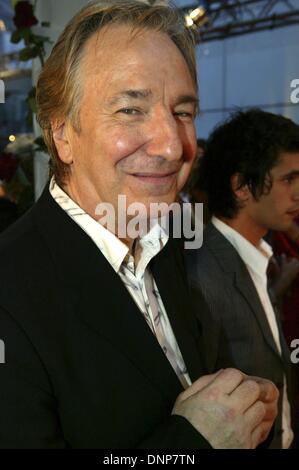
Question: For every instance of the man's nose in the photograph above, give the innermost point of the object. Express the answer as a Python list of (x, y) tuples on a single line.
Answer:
[(164, 136), (295, 194)]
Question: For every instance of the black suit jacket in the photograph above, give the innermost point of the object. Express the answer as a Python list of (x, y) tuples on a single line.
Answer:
[(234, 328), (83, 369)]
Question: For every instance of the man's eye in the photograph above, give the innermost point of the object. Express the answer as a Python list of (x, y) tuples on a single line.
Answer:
[(184, 114), (129, 111), (289, 179)]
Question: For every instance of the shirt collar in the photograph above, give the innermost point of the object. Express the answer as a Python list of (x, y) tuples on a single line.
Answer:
[(114, 250), (256, 258)]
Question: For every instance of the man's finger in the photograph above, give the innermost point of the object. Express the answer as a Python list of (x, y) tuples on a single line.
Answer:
[(255, 415), (245, 395), (199, 384), (257, 437), (260, 433), (228, 380), (225, 380), (268, 391), (271, 410)]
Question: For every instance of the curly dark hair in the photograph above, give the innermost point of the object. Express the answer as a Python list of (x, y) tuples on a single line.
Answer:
[(249, 143)]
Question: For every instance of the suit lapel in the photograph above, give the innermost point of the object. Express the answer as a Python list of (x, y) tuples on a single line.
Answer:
[(244, 284), (101, 301), (234, 266), (284, 347)]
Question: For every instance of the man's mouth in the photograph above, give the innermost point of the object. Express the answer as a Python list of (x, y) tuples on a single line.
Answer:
[(293, 212), (155, 178)]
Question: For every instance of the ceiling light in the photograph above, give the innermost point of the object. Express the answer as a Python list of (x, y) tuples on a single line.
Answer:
[(196, 17)]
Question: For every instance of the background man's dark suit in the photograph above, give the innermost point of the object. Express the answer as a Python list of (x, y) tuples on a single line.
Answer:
[(234, 328), (83, 369)]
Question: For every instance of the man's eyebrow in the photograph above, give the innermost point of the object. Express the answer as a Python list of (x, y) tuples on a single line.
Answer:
[(292, 173), (135, 94), (146, 94), (183, 99)]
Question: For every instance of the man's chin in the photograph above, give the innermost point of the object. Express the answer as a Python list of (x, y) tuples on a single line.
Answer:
[(150, 202), (283, 227)]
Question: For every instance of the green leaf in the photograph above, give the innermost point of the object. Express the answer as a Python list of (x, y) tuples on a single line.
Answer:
[(32, 104), (31, 100), (19, 34), (27, 36), (15, 37), (29, 119), (40, 40), (28, 53)]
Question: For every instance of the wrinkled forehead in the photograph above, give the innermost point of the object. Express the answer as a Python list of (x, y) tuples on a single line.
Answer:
[(121, 46)]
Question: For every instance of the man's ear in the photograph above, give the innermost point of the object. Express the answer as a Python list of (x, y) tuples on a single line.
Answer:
[(61, 139), (241, 191)]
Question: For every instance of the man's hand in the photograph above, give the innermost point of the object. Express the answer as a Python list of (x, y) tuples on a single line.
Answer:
[(231, 410)]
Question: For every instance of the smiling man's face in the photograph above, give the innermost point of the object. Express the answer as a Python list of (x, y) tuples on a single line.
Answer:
[(137, 114)]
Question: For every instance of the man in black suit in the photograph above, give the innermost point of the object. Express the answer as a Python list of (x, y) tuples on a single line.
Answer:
[(250, 173), (101, 347)]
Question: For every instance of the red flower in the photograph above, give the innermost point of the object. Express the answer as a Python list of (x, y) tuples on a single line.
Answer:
[(24, 17), (8, 166)]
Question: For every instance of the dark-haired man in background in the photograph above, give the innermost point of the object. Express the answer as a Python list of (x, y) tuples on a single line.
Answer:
[(250, 172)]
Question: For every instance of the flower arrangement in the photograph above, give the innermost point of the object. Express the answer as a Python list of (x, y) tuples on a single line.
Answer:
[(24, 20), (16, 162)]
